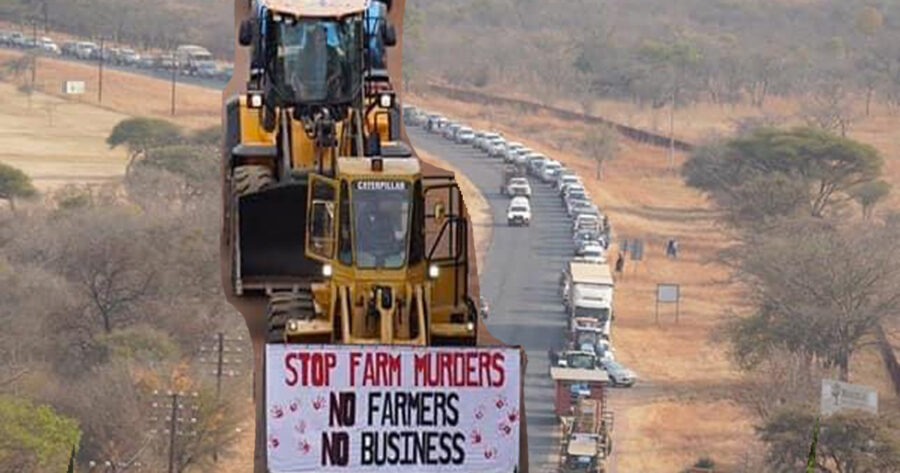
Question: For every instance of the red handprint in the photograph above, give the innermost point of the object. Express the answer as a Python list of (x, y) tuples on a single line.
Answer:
[(504, 428), (513, 416), (277, 411), (304, 447), (318, 403), (295, 405), (300, 427), (500, 402), (475, 437), (479, 413), (274, 442), (490, 453)]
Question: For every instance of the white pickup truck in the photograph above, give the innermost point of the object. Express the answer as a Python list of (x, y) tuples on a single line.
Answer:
[(519, 212)]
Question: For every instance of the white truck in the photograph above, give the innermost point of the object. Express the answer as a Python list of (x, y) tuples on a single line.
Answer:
[(195, 60), (587, 290)]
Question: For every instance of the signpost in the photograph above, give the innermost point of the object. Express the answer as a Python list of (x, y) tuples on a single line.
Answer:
[(74, 87), (668, 294), (392, 409), (838, 396)]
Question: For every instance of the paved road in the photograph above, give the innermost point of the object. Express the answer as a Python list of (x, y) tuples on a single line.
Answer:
[(520, 281)]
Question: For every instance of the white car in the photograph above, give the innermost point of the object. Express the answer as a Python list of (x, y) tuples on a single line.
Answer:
[(496, 147), (592, 252), (550, 170), (519, 212), (485, 140), (618, 374), (565, 180), (465, 136), (518, 186), (48, 46), (509, 152)]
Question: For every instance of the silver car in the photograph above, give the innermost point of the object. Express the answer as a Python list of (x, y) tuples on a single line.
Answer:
[(618, 374)]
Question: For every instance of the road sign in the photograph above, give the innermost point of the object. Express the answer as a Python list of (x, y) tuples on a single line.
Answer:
[(668, 294), (637, 250), (378, 408), (838, 396), (74, 87)]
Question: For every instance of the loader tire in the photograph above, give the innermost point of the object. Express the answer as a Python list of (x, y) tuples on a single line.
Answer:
[(250, 179), (286, 306)]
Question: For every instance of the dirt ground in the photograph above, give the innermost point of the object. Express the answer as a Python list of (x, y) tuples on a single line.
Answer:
[(680, 412), (684, 407), (57, 142)]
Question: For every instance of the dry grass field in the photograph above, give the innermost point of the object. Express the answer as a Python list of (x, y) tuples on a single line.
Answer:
[(683, 409)]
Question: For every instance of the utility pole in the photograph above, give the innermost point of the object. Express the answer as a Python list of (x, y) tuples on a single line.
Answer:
[(173, 430), (100, 66), (223, 345), (174, 80), (175, 414), (34, 24)]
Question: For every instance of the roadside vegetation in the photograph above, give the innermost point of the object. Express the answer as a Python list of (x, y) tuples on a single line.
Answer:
[(109, 292)]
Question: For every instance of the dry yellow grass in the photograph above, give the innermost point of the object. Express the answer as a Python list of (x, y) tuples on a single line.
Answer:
[(123, 92), (57, 142), (686, 411)]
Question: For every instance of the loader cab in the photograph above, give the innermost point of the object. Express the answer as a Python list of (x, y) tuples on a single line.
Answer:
[(367, 226)]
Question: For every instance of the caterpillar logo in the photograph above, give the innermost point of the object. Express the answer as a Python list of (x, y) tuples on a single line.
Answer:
[(387, 186)]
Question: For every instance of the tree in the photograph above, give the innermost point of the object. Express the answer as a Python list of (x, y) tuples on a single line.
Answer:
[(34, 436), (848, 442), (821, 296), (140, 135), (869, 194), (14, 184), (602, 145), (827, 166)]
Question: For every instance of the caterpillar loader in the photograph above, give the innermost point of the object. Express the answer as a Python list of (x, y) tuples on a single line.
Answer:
[(334, 232), (330, 210)]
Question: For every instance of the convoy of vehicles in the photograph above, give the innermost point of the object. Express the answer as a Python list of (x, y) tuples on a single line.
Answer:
[(191, 60)]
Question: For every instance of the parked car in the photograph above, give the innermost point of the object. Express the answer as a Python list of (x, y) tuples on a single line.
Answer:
[(518, 186), (484, 308), (549, 170), (586, 222), (482, 144), (577, 203), (69, 48), (495, 147), (510, 149), (519, 212), (618, 374), (591, 252), (449, 131), (48, 46), (564, 179), (16, 39), (85, 50), (464, 136), (127, 57)]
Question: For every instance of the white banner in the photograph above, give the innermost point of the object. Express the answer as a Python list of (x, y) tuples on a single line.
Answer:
[(392, 409)]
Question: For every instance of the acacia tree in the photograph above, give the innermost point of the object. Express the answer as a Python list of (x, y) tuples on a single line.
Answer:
[(140, 135), (827, 167), (819, 292), (602, 145), (14, 184), (848, 442), (868, 195)]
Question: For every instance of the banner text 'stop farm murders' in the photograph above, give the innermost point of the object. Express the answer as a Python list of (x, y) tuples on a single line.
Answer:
[(392, 409)]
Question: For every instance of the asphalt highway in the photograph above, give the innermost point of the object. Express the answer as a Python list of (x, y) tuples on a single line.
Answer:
[(520, 281)]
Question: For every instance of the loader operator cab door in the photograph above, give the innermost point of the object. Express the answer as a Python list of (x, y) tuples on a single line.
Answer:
[(321, 235)]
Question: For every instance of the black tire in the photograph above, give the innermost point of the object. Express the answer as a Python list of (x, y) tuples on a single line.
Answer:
[(288, 306), (250, 179)]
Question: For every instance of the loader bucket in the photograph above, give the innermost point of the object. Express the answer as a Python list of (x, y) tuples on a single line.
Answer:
[(271, 249)]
